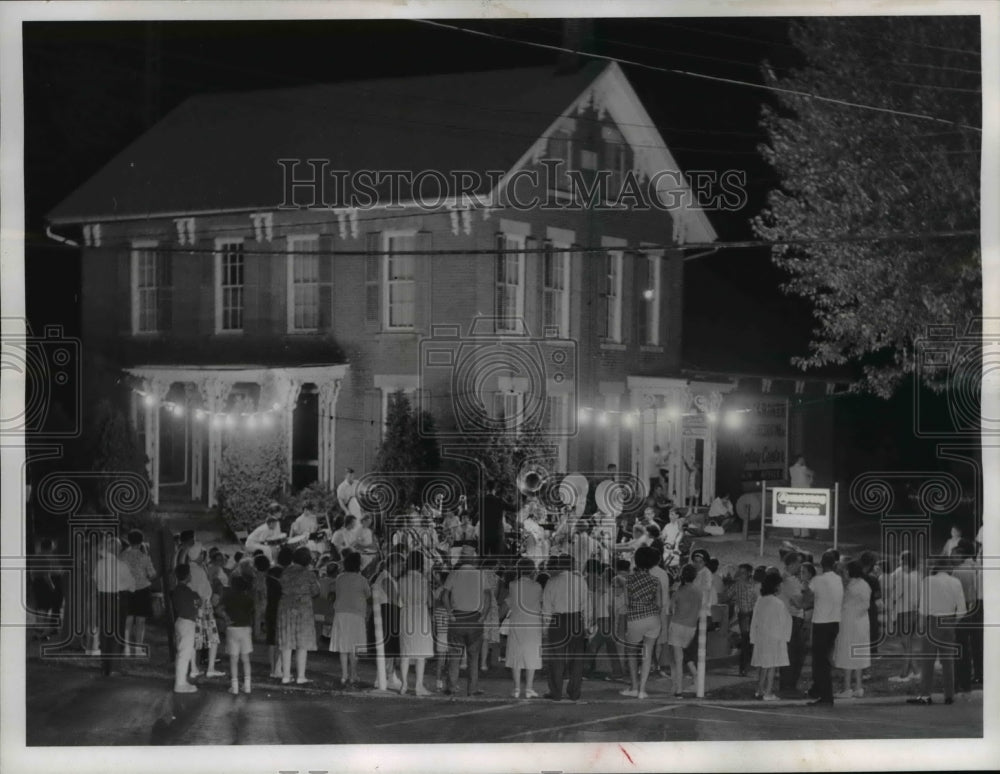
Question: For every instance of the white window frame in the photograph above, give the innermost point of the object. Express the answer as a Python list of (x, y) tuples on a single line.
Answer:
[(219, 315), (142, 246), (557, 429), (513, 405), (293, 253), (387, 282), (520, 243), (652, 310), (614, 310), (558, 248)]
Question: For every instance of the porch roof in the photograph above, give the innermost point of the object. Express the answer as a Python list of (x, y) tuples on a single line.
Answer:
[(237, 372)]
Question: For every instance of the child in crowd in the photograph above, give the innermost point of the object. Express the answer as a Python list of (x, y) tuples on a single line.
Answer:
[(351, 595), (743, 597), (238, 606), (322, 607), (185, 604), (442, 617), (770, 631)]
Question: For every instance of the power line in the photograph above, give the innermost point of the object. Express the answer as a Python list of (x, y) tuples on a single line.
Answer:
[(775, 43), (703, 76), (586, 249)]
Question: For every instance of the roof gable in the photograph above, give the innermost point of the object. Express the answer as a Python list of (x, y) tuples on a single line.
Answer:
[(221, 152)]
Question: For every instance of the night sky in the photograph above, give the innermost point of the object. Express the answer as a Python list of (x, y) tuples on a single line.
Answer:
[(86, 99)]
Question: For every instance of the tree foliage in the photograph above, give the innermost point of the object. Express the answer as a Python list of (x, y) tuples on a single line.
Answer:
[(407, 453), (850, 172)]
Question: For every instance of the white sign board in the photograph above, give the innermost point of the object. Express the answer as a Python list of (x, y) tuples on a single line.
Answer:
[(801, 508)]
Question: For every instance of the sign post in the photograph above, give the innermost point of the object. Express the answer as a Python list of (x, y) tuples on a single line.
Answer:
[(802, 508), (763, 513), (836, 512)]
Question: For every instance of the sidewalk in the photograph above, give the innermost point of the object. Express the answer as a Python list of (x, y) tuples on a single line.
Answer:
[(723, 684)]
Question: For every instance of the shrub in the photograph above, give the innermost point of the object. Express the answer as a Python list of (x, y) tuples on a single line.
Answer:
[(252, 474)]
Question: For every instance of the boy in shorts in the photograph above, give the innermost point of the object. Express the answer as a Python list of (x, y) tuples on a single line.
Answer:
[(237, 603)]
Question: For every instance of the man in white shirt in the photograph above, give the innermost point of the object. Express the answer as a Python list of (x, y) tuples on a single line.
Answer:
[(347, 490), (265, 537), (115, 582), (466, 594), (828, 596), (942, 602), (565, 605)]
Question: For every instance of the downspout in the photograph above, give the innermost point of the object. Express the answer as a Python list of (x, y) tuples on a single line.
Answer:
[(55, 237)]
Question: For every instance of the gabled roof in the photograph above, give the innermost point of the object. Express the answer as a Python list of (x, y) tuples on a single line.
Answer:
[(220, 152)]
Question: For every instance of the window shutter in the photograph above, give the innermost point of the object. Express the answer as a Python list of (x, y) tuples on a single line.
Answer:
[(603, 329), (207, 310), (422, 264), (498, 276), (642, 305), (325, 260), (165, 294), (373, 279), (253, 320), (123, 271)]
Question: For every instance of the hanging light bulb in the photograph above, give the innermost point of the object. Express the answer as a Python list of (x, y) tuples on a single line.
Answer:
[(266, 420), (252, 421), (217, 420), (199, 415), (178, 410), (602, 418), (648, 294), (149, 400), (628, 419), (712, 417), (230, 421), (276, 407)]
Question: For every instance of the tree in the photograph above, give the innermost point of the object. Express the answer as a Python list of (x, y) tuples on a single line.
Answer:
[(253, 473), (850, 172), (407, 453)]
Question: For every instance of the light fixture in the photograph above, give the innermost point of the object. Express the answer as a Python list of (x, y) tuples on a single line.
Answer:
[(628, 419), (178, 410), (217, 420), (674, 411), (276, 407), (252, 421), (733, 419), (149, 400), (648, 294), (230, 420), (199, 415), (602, 418), (266, 420), (712, 417)]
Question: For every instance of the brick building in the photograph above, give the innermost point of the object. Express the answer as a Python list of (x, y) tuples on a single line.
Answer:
[(226, 277)]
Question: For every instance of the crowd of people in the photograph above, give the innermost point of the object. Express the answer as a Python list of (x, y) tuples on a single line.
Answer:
[(517, 588)]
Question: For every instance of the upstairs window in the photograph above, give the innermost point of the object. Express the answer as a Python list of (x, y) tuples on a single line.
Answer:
[(400, 285), (555, 288), (303, 284), (229, 285), (509, 282), (152, 289), (612, 296)]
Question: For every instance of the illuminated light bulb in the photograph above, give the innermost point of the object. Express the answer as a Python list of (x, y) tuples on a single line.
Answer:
[(674, 412), (276, 407), (266, 420), (648, 294), (628, 420), (217, 421), (602, 418), (252, 421), (199, 415), (230, 420), (712, 417), (149, 400), (733, 419), (178, 410)]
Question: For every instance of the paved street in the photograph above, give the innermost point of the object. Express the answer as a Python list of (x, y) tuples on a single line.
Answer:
[(74, 705)]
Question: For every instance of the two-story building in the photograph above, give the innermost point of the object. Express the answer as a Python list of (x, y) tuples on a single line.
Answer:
[(241, 266)]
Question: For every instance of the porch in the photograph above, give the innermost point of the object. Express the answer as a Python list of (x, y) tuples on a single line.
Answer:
[(680, 416), (184, 415)]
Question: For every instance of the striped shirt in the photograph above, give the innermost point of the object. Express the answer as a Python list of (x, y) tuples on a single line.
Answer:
[(642, 588)]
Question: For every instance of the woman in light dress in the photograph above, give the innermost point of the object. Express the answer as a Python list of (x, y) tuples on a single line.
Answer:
[(852, 651), (770, 631), (524, 628), (416, 637)]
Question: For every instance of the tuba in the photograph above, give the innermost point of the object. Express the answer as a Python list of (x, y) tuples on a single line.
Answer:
[(531, 479)]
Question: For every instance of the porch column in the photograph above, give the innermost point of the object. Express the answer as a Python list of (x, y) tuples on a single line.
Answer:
[(214, 393), (197, 430), (711, 447), (612, 447), (678, 400), (329, 391), (157, 390)]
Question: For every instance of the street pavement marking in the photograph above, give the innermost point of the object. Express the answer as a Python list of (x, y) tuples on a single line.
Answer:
[(839, 717), (665, 708), (451, 715)]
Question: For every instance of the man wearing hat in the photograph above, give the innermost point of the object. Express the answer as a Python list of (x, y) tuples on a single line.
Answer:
[(267, 536)]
